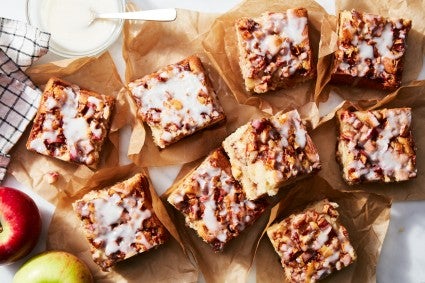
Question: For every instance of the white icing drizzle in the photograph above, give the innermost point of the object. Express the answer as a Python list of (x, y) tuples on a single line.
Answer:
[(97, 132), (90, 112), (209, 217), (344, 66), (51, 103), (210, 179), (95, 101), (108, 212), (48, 134), (177, 198), (322, 238), (284, 132), (75, 129), (385, 42), (291, 121), (48, 122), (38, 145), (122, 236), (295, 27), (178, 98), (365, 52), (300, 132), (332, 259)]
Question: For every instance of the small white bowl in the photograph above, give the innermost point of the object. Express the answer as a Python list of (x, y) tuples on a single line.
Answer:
[(37, 12)]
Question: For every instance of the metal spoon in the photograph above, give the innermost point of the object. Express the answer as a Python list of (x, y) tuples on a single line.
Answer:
[(161, 15)]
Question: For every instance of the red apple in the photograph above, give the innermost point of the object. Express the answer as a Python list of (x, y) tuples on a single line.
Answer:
[(20, 225)]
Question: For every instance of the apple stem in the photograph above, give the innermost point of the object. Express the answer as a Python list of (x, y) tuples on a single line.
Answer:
[(1, 228)]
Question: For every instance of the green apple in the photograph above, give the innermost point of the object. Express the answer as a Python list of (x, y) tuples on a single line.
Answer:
[(54, 267)]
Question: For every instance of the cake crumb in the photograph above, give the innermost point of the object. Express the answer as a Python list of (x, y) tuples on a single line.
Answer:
[(51, 177)]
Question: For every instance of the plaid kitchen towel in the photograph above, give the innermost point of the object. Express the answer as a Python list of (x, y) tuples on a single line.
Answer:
[(20, 45), (23, 43)]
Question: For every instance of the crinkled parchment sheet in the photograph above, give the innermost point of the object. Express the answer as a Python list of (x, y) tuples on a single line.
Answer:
[(98, 74), (222, 48), (147, 47), (152, 45), (166, 263), (365, 215)]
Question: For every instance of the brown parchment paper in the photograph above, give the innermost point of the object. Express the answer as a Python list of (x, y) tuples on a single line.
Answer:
[(221, 47), (365, 215), (152, 45), (415, 52), (409, 95), (325, 138), (167, 263), (95, 73), (234, 262)]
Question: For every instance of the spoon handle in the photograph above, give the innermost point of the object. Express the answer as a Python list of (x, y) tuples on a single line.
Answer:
[(162, 15)]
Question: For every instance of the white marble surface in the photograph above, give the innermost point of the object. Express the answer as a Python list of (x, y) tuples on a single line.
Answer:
[(402, 257)]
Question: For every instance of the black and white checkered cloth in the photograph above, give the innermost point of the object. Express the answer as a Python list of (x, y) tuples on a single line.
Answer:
[(23, 43), (20, 46)]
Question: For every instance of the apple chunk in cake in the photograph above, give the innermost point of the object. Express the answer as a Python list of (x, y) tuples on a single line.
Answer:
[(119, 221)]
